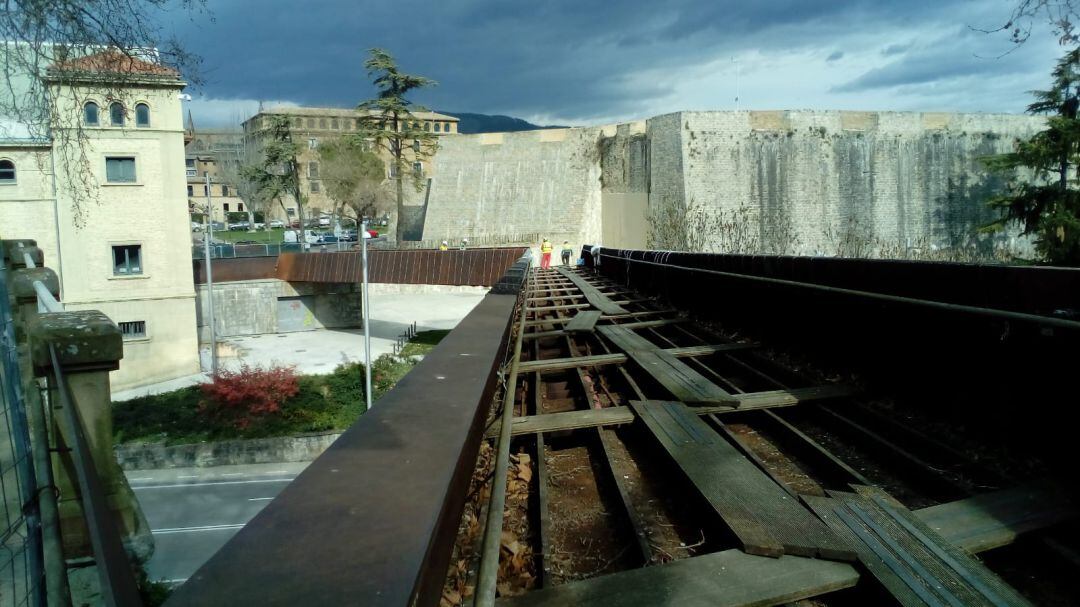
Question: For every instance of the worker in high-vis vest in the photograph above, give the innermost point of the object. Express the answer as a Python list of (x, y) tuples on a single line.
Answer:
[(545, 254)]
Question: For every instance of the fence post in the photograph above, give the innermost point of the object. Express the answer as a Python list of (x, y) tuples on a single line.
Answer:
[(89, 345)]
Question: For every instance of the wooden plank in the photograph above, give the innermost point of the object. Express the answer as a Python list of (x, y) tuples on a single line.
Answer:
[(916, 565), (996, 519), (583, 322), (629, 325), (721, 579), (551, 321), (597, 299), (762, 516), (556, 364), (612, 416), (684, 383)]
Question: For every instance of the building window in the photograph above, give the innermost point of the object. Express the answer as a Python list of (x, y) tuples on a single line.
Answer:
[(120, 169), (427, 126), (290, 211), (310, 123), (225, 207), (416, 145), (313, 170), (7, 171), (240, 207), (315, 189), (322, 123), (334, 123), (116, 113), (142, 115), (127, 259), (393, 171), (225, 191), (190, 190), (90, 114), (438, 127), (206, 190), (312, 143), (191, 170), (418, 168), (135, 329)]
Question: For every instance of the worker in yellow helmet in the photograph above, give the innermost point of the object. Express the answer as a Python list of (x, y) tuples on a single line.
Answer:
[(443, 246), (545, 254)]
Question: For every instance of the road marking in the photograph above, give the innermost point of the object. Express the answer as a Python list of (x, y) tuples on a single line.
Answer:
[(145, 478), (261, 480), (232, 474), (193, 529), (259, 499), (277, 472), (188, 476)]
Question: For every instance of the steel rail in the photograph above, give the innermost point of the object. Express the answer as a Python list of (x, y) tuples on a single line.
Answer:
[(114, 570), (995, 313), (489, 557)]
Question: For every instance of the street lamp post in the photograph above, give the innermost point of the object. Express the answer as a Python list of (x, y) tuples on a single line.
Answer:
[(208, 237), (365, 311)]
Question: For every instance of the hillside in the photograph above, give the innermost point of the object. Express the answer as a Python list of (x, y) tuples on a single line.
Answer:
[(486, 123)]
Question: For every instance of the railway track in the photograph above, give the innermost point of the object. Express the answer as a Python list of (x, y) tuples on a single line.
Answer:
[(651, 455)]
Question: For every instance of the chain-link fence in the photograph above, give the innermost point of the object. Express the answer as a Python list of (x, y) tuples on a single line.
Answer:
[(21, 560)]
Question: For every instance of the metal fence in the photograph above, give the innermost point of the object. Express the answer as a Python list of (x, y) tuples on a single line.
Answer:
[(21, 556), (230, 251)]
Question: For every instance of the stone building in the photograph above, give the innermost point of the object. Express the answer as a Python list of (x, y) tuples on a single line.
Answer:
[(110, 214), (311, 126)]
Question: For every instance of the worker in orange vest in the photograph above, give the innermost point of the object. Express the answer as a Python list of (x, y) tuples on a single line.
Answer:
[(545, 254)]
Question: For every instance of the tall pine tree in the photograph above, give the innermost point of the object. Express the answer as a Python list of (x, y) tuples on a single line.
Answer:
[(1048, 204), (388, 121)]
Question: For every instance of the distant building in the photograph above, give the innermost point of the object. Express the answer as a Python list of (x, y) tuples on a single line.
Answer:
[(219, 154), (312, 126), (127, 250)]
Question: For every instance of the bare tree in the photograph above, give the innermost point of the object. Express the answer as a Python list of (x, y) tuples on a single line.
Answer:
[(40, 43), (1060, 15)]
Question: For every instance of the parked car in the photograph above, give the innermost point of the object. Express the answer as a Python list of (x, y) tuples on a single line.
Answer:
[(327, 239), (373, 233), (259, 225), (246, 242), (310, 237), (217, 225), (348, 236), (324, 221), (240, 225), (277, 223), (196, 226)]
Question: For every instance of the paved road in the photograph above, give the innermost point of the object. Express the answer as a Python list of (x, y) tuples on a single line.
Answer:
[(194, 511)]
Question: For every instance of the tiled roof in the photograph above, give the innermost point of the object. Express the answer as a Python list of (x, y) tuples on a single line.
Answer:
[(115, 62)]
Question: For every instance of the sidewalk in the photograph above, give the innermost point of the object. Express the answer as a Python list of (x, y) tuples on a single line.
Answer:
[(322, 350)]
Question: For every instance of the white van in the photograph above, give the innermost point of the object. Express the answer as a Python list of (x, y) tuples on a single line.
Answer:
[(310, 237)]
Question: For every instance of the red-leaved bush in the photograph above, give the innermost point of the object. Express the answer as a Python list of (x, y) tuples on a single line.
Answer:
[(249, 394)]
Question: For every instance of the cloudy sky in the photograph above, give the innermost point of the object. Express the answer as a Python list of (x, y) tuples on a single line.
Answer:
[(585, 62)]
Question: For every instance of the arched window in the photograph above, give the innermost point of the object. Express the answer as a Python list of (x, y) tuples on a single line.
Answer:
[(142, 115), (322, 123), (116, 113), (7, 171), (90, 113)]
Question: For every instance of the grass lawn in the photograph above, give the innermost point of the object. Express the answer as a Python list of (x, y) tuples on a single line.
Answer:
[(272, 236), (325, 403), (423, 342)]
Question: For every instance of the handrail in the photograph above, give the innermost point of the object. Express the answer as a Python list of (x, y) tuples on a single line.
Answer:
[(46, 301), (118, 585), (1008, 315)]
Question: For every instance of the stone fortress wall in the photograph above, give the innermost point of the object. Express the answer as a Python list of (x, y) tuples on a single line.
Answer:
[(891, 184)]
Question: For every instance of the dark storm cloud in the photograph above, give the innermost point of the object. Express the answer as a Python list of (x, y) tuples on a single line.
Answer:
[(835, 56), (575, 59)]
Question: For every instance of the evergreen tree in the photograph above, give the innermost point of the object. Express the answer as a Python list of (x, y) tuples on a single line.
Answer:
[(388, 121), (1047, 204)]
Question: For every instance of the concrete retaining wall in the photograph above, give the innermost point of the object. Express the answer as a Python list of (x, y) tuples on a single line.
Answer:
[(224, 453), (251, 307)]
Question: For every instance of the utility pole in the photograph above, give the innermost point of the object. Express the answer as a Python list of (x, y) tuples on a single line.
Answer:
[(208, 236), (364, 307), (736, 62)]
